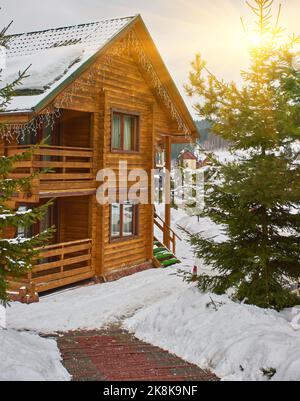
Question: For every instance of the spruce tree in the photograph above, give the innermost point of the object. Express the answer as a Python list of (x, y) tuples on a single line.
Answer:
[(17, 254), (254, 198)]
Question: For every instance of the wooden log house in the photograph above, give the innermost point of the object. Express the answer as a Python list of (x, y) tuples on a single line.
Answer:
[(87, 87)]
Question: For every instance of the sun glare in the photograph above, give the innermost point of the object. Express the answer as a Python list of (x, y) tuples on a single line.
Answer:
[(255, 40)]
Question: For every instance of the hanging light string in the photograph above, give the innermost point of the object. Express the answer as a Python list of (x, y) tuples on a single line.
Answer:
[(131, 46)]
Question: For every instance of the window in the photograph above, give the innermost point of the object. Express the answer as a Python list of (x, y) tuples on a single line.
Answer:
[(46, 134), (124, 220), (49, 220), (125, 128), (25, 232)]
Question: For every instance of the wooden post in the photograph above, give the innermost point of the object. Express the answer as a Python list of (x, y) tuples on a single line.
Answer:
[(168, 145), (174, 245)]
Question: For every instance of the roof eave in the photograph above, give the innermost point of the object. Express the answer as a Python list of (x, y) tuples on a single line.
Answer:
[(168, 81), (154, 54)]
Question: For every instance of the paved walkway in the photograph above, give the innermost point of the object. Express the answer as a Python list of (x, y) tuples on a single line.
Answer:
[(115, 355)]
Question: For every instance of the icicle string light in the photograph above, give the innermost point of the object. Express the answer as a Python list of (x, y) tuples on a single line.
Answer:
[(131, 46)]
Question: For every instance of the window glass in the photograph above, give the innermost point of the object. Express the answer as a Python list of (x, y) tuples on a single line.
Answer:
[(24, 232), (45, 222), (115, 220), (116, 132), (123, 220), (125, 132), (128, 229), (128, 132), (27, 139)]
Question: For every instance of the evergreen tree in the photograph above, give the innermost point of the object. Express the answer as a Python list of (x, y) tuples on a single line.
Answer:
[(16, 255), (256, 197)]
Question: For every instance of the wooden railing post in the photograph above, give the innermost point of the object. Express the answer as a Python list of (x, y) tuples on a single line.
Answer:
[(168, 146), (166, 230), (62, 258), (31, 164), (174, 244), (64, 165)]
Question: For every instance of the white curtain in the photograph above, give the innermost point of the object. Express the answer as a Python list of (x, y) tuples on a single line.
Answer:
[(116, 133), (128, 129)]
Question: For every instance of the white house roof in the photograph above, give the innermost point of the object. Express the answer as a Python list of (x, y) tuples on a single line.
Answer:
[(52, 56)]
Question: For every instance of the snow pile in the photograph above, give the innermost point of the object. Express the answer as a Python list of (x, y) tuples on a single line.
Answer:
[(236, 341), (204, 225), (45, 68), (28, 357), (94, 306), (2, 317)]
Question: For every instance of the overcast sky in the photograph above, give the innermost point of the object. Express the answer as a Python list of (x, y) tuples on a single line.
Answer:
[(180, 28)]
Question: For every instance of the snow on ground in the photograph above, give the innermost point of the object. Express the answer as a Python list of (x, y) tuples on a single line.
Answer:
[(28, 357), (233, 340), (95, 306), (236, 341)]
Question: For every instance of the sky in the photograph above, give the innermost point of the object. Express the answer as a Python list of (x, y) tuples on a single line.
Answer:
[(180, 28)]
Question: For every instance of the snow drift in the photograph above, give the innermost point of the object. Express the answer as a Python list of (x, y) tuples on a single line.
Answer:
[(234, 340), (28, 357)]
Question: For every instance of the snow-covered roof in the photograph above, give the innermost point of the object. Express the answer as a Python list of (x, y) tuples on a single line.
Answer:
[(53, 55), (187, 155)]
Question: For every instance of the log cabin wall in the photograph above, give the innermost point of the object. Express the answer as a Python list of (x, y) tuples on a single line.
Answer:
[(74, 218), (126, 89), (1, 148), (75, 129), (120, 85)]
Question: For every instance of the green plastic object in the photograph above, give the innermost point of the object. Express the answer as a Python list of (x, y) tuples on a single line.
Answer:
[(159, 250), (170, 262), (164, 256)]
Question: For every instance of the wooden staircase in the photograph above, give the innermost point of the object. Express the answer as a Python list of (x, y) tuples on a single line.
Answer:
[(162, 255)]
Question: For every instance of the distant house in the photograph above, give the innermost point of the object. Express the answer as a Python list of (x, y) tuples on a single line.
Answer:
[(188, 160), (97, 93), (203, 160)]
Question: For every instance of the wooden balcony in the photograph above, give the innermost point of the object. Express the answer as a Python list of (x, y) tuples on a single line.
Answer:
[(58, 265), (70, 169)]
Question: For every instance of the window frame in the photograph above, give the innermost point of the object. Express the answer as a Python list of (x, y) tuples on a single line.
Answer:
[(135, 223), (122, 114), (54, 216)]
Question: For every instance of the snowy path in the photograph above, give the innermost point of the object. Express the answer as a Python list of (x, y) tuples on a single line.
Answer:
[(115, 355)]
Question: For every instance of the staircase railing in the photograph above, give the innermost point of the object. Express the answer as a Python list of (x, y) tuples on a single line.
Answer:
[(166, 230)]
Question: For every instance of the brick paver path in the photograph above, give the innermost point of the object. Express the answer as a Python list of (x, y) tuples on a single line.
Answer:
[(115, 355)]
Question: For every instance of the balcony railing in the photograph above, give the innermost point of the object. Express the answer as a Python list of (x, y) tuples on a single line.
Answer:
[(65, 163), (59, 265)]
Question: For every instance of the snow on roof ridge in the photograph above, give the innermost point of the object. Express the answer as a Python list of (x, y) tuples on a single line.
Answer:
[(62, 45), (94, 34), (130, 17)]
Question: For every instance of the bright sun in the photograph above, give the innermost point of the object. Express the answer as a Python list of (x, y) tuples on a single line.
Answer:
[(256, 40)]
